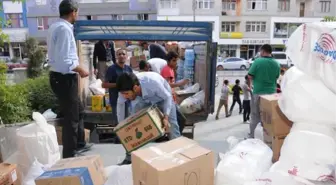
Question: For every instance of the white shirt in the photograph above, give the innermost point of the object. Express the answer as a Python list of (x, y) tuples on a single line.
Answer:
[(280, 79), (157, 64), (225, 93)]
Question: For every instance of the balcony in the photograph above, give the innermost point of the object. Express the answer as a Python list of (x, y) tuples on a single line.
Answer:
[(16, 34), (231, 7), (231, 35)]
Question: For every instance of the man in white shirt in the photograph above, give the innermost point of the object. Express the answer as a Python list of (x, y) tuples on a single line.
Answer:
[(247, 92), (224, 99)]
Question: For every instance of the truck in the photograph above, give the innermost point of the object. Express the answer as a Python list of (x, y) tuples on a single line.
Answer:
[(200, 33)]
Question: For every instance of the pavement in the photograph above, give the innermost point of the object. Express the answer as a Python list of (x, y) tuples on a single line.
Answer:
[(211, 134)]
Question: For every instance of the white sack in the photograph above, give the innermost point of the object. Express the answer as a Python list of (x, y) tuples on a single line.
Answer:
[(307, 154), (245, 162), (191, 89), (96, 87), (312, 48), (119, 175), (193, 104), (35, 171), (305, 99), (272, 178), (37, 141), (49, 114)]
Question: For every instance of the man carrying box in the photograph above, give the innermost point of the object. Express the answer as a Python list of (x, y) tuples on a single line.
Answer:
[(264, 73), (146, 89)]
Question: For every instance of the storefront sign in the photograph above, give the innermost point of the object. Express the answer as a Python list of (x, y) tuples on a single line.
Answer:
[(255, 41)]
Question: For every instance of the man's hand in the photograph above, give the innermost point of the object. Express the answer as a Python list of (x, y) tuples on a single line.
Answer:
[(165, 123), (185, 81), (83, 73)]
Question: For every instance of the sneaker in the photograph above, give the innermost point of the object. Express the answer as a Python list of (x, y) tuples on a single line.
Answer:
[(85, 148), (125, 162)]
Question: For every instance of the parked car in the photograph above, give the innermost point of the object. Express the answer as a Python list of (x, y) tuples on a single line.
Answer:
[(279, 56), (233, 63)]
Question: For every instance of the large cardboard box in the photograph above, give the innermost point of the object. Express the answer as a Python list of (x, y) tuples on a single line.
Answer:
[(140, 128), (277, 143), (274, 121), (9, 174), (59, 135), (177, 162), (87, 170)]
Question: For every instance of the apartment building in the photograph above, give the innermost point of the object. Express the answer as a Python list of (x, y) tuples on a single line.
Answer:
[(42, 13), (14, 24)]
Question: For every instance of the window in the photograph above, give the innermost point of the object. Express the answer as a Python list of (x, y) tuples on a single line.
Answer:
[(229, 26), (14, 20), (41, 2), (284, 5), (255, 26), (279, 56), (229, 4), (91, 17), (257, 4), (167, 4), (284, 30), (42, 23), (143, 17), (117, 17), (325, 6), (205, 4), (228, 50)]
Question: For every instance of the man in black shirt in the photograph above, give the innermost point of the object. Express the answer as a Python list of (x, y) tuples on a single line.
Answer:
[(236, 89), (105, 53)]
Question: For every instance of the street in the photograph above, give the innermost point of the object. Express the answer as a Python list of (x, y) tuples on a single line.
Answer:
[(211, 134)]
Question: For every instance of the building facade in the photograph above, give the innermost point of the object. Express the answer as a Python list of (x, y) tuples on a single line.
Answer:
[(14, 24), (42, 13), (242, 26)]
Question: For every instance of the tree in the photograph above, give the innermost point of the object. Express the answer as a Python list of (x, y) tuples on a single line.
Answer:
[(329, 19), (35, 56)]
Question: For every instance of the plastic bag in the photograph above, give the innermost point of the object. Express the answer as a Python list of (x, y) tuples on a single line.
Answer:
[(305, 99), (307, 154), (193, 104), (312, 49), (191, 89), (49, 114), (271, 178), (245, 162), (96, 87), (119, 175), (35, 171), (37, 142)]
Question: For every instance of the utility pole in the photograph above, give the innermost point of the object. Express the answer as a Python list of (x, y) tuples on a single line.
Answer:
[(194, 10)]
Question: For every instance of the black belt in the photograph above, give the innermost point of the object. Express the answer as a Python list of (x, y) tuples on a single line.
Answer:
[(56, 74)]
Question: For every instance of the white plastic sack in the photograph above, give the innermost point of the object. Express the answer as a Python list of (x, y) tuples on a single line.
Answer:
[(305, 99), (247, 161), (259, 132), (193, 104), (96, 87), (307, 154), (119, 175), (191, 89), (49, 114), (37, 142), (272, 178), (35, 171), (312, 48)]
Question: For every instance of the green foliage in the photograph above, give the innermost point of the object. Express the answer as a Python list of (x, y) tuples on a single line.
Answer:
[(40, 95), (3, 71), (36, 58), (329, 19)]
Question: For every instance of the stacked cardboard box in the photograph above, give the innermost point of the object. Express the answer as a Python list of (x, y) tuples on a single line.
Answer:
[(87, 170), (275, 123), (178, 162), (9, 174)]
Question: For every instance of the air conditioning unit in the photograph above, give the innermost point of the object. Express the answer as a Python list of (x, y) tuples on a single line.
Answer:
[(224, 13)]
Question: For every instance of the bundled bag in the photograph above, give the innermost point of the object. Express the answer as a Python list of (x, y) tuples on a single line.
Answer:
[(191, 89), (305, 99), (312, 49), (272, 178), (247, 161), (308, 152), (49, 114), (96, 87), (37, 141), (193, 104)]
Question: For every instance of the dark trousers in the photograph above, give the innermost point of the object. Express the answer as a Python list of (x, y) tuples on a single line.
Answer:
[(181, 119), (236, 99), (247, 110), (65, 87)]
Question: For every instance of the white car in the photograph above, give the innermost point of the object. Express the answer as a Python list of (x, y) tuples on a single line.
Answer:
[(233, 63), (279, 56)]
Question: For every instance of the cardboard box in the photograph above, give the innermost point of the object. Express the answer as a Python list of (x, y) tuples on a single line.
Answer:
[(87, 133), (177, 162), (267, 138), (9, 174), (277, 143), (274, 121), (140, 128), (87, 170)]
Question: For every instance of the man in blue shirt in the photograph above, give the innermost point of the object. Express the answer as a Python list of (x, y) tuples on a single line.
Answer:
[(64, 71), (112, 73)]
